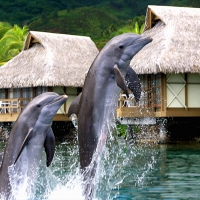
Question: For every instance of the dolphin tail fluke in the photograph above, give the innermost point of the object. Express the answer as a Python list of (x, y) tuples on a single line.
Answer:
[(49, 146), (74, 107), (133, 83), (24, 144), (120, 80)]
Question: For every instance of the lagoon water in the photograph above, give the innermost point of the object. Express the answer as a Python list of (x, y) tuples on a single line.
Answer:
[(126, 172)]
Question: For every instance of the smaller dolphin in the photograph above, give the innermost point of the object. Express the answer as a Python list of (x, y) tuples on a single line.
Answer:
[(30, 133)]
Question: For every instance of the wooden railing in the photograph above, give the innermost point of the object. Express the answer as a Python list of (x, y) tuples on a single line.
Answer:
[(14, 105), (10, 109), (127, 107), (145, 101)]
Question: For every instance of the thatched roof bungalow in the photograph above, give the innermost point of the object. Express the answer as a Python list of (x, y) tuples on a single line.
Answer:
[(169, 66), (48, 62)]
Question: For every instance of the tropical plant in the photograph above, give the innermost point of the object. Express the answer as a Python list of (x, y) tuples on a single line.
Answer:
[(131, 27), (11, 42), (4, 27), (122, 130)]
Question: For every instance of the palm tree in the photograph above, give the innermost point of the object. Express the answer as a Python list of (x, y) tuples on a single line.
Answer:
[(4, 27), (12, 43)]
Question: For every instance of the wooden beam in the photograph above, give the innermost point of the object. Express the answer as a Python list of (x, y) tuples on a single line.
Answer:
[(8, 117), (13, 117), (138, 112), (61, 117)]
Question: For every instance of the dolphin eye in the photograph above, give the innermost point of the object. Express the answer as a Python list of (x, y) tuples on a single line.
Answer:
[(121, 46), (38, 105)]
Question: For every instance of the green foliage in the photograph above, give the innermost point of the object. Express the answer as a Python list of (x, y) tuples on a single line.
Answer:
[(130, 28), (99, 19), (4, 27), (24, 12), (139, 19), (122, 130), (188, 3), (11, 41), (89, 21)]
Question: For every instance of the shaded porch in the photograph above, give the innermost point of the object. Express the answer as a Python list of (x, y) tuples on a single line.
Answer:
[(11, 108), (164, 95)]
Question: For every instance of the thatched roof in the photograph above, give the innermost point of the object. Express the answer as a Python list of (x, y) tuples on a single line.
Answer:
[(176, 41), (49, 59)]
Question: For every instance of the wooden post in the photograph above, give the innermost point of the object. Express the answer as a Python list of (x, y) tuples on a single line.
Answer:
[(164, 93)]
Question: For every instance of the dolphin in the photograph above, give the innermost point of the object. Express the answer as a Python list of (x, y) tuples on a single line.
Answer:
[(30, 133), (95, 106)]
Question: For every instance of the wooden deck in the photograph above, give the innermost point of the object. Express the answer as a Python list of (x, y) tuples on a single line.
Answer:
[(11, 108), (127, 108)]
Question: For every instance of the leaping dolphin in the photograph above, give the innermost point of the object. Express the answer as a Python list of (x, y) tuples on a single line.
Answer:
[(30, 133), (95, 106)]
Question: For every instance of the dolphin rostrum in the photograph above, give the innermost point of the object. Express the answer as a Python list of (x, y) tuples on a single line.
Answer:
[(95, 106), (30, 133)]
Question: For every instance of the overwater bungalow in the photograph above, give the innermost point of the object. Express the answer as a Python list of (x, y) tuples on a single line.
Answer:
[(48, 62), (168, 67)]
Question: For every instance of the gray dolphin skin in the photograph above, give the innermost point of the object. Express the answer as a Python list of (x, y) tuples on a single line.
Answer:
[(109, 73), (30, 133)]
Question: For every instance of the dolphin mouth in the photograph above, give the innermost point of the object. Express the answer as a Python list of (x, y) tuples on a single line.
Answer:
[(132, 49), (61, 98), (145, 40)]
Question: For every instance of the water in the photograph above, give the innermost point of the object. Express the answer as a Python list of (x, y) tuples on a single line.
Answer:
[(140, 171)]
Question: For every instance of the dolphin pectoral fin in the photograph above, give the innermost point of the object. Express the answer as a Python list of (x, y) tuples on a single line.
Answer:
[(120, 80), (133, 83), (74, 107), (24, 144), (49, 146)]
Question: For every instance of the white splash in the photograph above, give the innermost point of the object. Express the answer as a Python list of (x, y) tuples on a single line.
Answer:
[(71, 190), (63, 180), (21, 184)]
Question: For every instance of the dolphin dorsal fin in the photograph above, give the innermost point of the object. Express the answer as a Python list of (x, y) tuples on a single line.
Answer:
[(24, 144), (74, 107), (120, 80), (49, 146)]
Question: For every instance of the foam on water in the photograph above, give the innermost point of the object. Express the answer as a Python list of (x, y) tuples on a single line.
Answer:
[(118, 164), (21, 184), (72, 189)]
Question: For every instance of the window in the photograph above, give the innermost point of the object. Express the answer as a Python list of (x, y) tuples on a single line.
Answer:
[(151, 90), (175, 84), (193, 88)]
